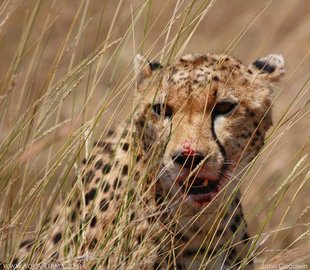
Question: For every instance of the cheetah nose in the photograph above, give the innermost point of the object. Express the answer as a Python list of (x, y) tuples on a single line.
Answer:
[(188, 161)]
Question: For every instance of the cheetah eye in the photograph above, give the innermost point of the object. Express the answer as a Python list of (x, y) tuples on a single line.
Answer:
[(160, 109), (224, 108)]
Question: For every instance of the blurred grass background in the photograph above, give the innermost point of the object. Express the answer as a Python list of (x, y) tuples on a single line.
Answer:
[(44, 96)]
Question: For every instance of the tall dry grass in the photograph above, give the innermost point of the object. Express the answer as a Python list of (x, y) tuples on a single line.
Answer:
[(66, 77)]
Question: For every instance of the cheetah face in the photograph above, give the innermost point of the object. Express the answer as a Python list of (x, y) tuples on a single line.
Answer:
[(204, 118)]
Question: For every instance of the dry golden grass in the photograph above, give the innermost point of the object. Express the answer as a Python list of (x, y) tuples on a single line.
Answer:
[(66, 65)]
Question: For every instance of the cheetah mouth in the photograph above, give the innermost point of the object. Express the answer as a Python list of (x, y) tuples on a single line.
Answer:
[(199, 186), (202, 187)]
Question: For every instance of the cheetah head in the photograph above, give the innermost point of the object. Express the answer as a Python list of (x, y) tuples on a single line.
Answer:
[(204, 118)]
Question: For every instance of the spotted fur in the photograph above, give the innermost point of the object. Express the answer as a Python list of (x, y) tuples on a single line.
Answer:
[(164, 193)]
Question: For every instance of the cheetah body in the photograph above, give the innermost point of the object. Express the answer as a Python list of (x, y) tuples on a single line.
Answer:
[(162, 191)]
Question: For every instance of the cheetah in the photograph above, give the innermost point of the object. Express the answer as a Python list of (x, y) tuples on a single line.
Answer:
[(162, 190)]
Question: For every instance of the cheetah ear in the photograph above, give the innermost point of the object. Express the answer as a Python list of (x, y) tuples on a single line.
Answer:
[(144, 68), (270, 67)]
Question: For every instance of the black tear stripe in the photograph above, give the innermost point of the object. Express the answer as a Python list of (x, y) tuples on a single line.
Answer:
[(159, 198), (168, 139), (222, 149), (264, 66)]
